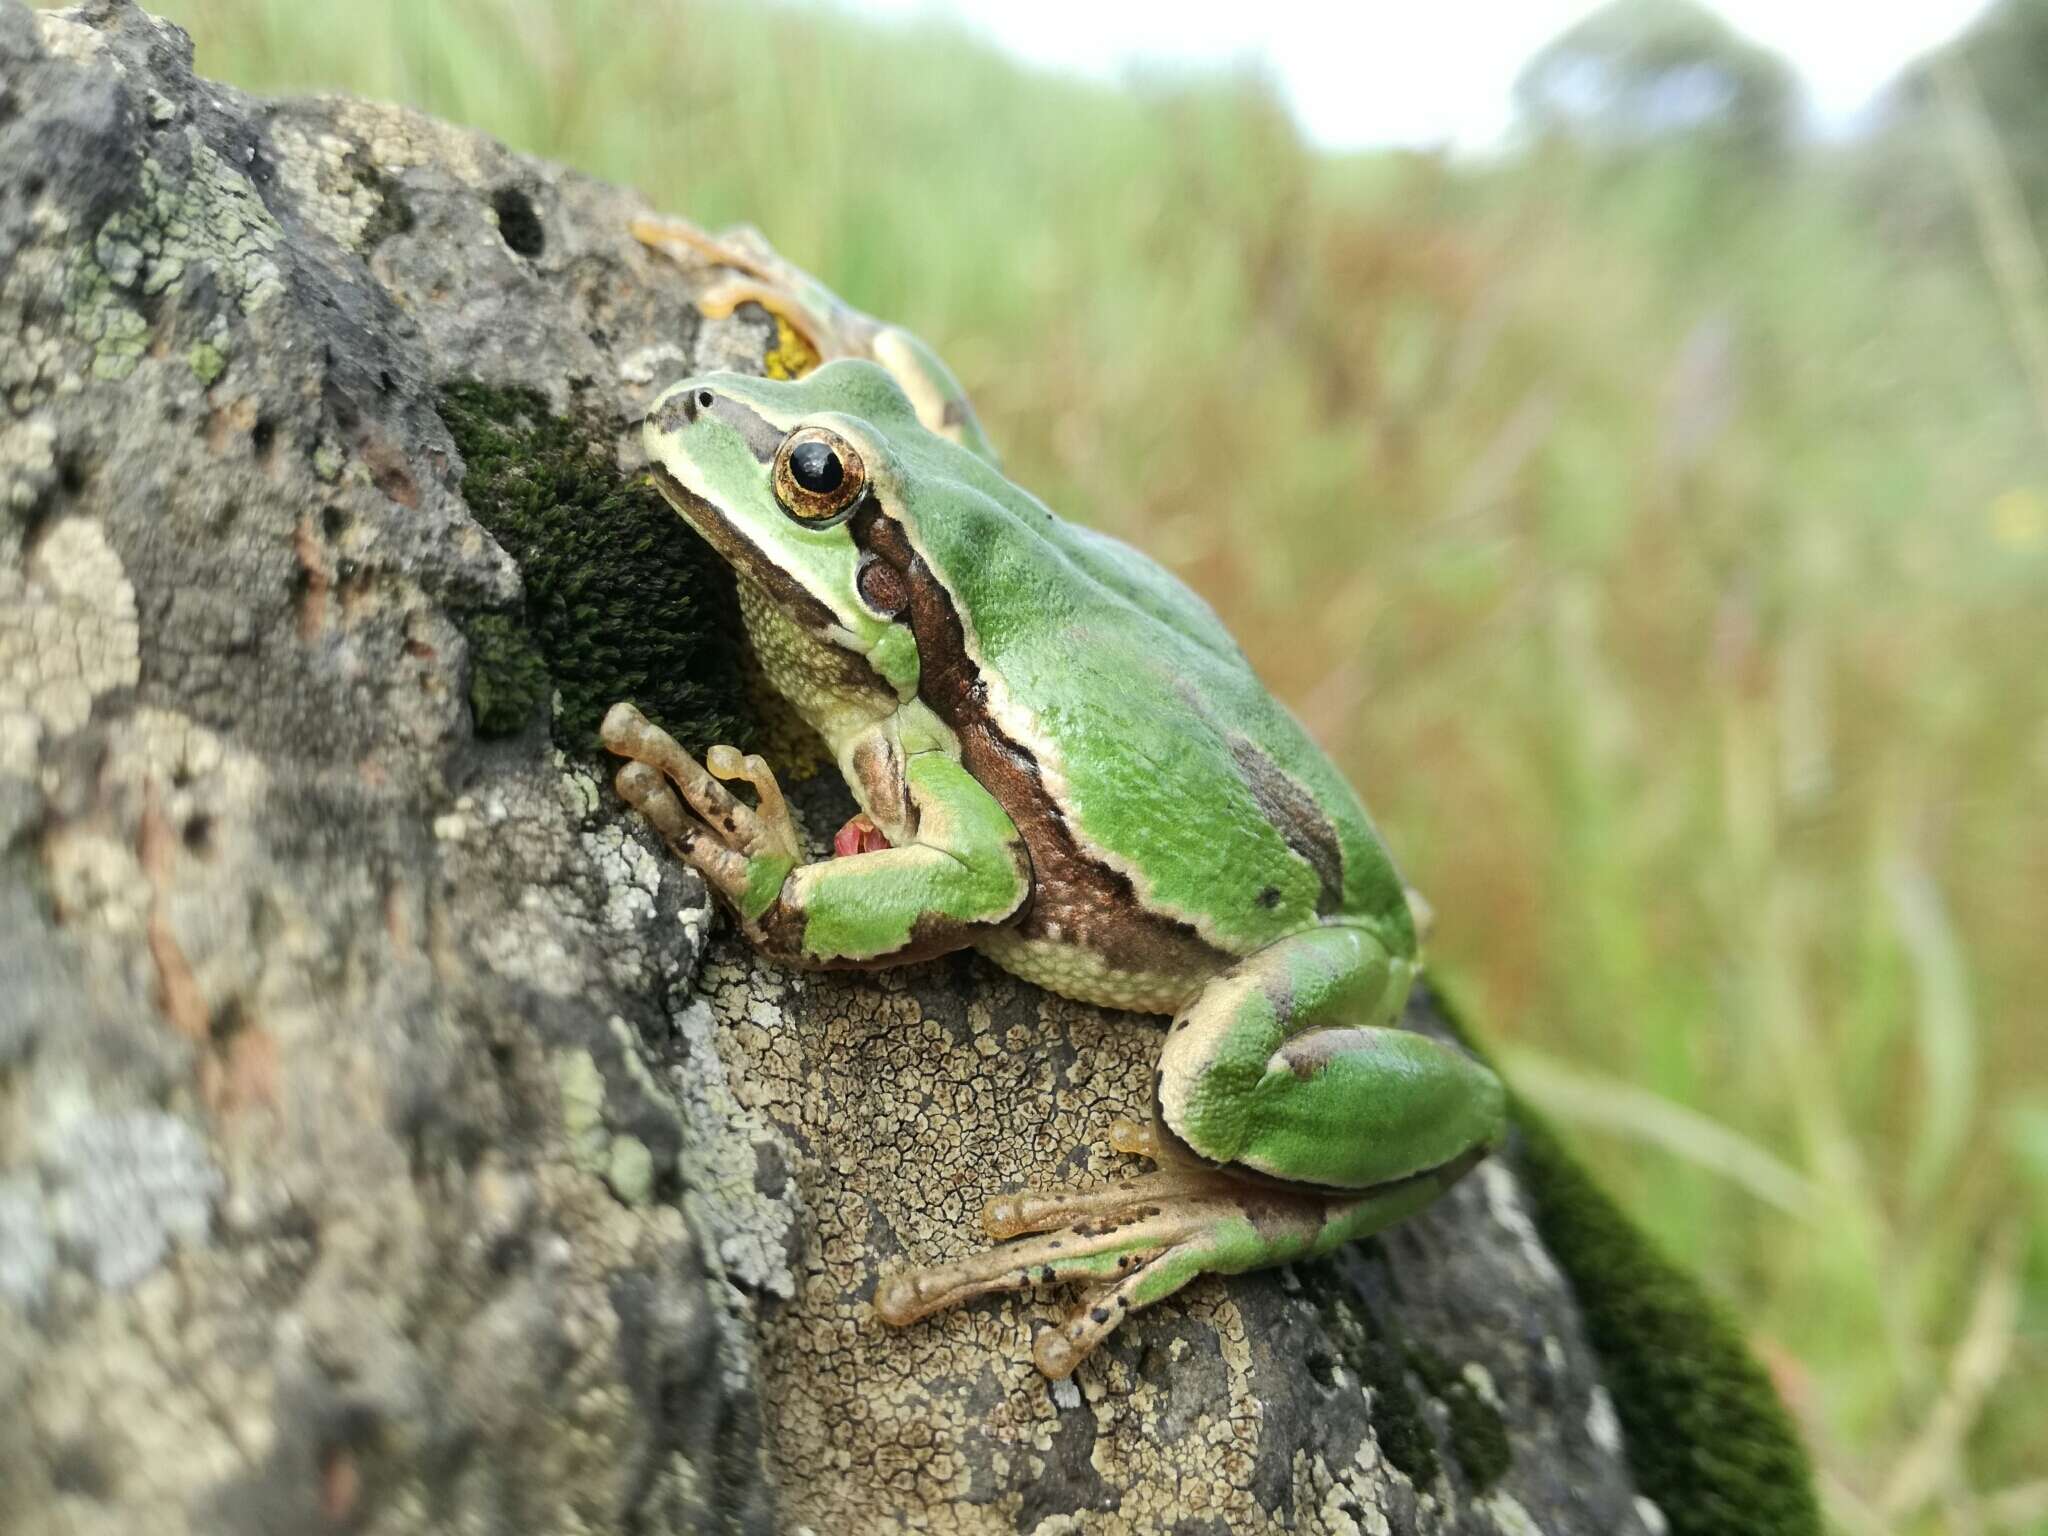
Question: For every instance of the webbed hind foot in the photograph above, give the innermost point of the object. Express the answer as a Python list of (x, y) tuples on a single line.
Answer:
[(1137, 1241)]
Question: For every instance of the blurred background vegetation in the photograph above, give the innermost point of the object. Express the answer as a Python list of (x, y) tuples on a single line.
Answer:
[(1653, 518)]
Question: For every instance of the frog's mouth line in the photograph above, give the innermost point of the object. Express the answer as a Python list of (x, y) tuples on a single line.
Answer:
[(739, 552)]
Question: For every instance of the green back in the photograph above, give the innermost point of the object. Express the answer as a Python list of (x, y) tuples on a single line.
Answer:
[(1166, 740)]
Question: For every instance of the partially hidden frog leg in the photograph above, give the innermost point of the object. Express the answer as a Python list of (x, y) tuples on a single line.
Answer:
[(679, 239), (766, 282)]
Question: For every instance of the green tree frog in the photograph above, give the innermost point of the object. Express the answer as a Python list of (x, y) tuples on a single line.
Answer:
[(1063, 761)]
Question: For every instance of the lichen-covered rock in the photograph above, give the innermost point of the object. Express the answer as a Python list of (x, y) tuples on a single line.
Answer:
[(379, 1148)]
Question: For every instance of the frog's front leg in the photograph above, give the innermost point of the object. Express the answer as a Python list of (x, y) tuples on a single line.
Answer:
[(1289, 1119), (960, 871)]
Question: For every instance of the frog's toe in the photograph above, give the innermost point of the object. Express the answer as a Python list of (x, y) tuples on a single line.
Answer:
[(1042, 1210), (1133, 1138), (1058, 1350), (648, 792), (770, 819)]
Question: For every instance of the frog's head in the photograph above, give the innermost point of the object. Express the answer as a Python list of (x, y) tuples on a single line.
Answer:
[(775, 474)]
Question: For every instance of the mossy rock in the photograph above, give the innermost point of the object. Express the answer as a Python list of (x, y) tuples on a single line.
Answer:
[(1708, 1438), (622, 601)]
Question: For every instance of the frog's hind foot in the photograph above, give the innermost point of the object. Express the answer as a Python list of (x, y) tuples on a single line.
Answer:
[(1144, 1254), (1139, 1240)]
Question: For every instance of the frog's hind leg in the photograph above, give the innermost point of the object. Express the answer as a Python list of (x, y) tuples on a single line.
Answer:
[(1291, 1066), (1289, 1118)]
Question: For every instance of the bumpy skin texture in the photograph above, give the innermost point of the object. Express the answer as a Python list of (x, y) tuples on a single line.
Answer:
[(367, 1161)]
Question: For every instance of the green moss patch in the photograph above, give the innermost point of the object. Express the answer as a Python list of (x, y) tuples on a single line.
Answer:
[(622, 600), (1707, 1437), (1381, 1366), (508, 678), (1478, 1437)]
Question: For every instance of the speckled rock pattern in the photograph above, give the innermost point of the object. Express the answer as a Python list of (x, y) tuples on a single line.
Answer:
[(379, 1148)]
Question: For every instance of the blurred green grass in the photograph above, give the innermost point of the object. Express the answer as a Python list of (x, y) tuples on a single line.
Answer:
[(1663, 550)]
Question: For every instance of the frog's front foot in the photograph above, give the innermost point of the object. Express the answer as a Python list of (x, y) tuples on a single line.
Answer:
[(735, 847)]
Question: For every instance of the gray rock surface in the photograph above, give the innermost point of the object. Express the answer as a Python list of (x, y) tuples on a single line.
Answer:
[(380, 1147)]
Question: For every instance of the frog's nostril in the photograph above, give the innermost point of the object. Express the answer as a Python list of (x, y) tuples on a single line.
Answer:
[(680, 409)]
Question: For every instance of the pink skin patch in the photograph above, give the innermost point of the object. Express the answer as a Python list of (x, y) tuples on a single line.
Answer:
[(858, 836)]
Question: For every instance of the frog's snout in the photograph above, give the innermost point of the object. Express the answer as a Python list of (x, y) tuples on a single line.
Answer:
[(680, 406)]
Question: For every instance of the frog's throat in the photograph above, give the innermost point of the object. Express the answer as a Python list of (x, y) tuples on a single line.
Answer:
[(831, 684), (748, 561), (833, 687)]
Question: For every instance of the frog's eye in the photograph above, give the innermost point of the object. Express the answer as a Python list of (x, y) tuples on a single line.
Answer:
[(819, 476)]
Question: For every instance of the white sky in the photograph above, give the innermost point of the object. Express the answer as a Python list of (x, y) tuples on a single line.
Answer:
[(1365, 72)]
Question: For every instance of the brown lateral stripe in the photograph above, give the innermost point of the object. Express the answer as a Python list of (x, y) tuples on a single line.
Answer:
[(1292, 811), (761, 436), (1075, 899)]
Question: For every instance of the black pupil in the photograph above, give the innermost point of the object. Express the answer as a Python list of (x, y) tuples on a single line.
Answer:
[(816, 468)]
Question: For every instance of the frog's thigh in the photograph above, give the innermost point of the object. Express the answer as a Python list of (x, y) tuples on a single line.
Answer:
[(1271, 1070)]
